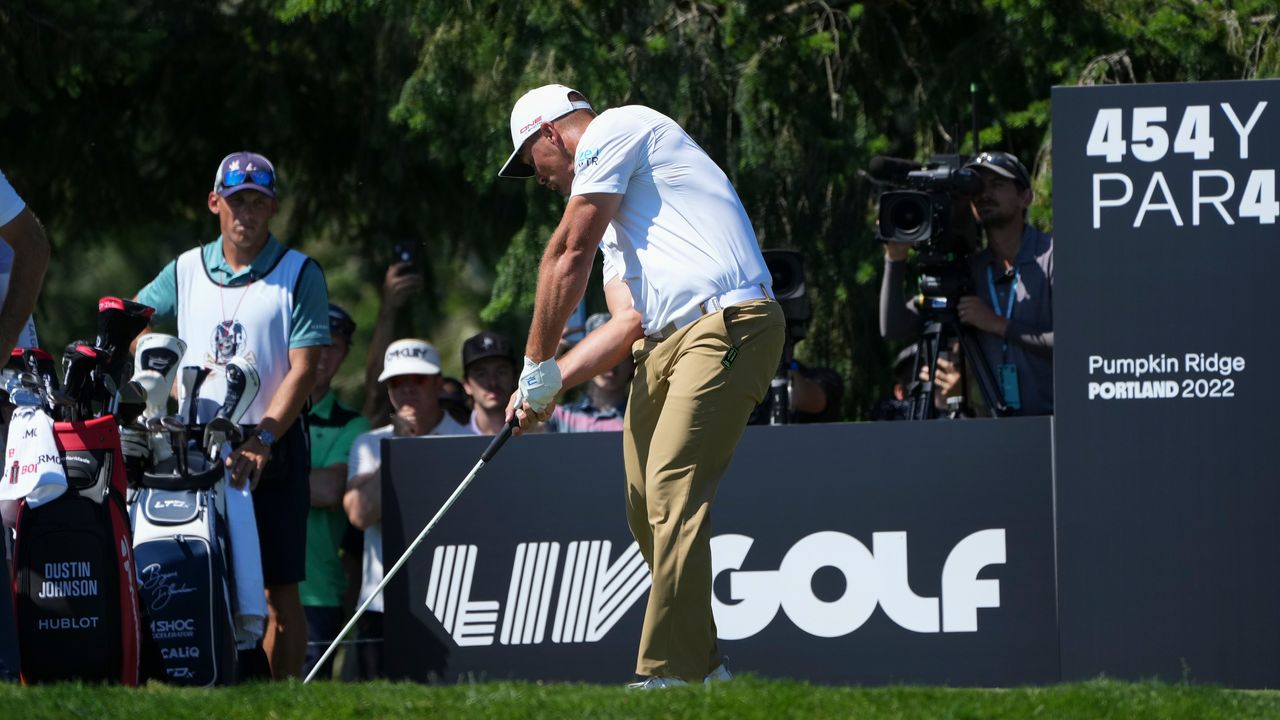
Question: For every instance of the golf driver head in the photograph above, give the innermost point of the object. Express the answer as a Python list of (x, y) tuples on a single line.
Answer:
[(243, 385), (42, 365), (79, 361), (119, 322), (192, 377)]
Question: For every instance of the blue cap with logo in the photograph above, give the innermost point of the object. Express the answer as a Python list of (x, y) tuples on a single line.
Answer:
[(245, 170)]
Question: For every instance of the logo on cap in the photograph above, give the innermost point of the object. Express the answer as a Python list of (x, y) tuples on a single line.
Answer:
[(533, 124)]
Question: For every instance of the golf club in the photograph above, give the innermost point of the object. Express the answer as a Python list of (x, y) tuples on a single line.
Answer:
[(178, 438), (78, 363), (243, 385), (161, 353), (41, 363), (192, 377), (496, 444), (131, 402), (119, 322)]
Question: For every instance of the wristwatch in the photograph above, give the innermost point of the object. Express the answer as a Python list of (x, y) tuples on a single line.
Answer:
[(265, 437)]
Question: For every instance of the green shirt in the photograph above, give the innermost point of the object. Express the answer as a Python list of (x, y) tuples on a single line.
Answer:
[(333, 427), (310, 301)]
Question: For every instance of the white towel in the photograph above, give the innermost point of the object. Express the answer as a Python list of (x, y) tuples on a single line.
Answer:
[(33, 465), (250, 605)]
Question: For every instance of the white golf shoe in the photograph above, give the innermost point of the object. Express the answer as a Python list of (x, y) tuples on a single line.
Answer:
[(656, 683)]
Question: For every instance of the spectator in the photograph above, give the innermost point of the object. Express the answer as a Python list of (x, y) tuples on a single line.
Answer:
[(24, 258), (1013, 275), (333, 428), (604, 403), (400, 284), (489, 375), (246, 294), (411, 370)]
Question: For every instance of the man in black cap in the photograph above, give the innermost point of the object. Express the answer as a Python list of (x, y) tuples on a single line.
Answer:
[(1013, 281), (489, 377)]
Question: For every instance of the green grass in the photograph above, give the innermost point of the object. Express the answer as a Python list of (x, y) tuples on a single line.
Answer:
[(743, 698)]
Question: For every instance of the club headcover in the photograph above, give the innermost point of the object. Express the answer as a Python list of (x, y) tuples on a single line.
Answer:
[(161, 353), (191, 377), (243, 385)]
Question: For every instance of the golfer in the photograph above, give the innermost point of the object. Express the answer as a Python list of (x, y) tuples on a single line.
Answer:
[(690, 298)]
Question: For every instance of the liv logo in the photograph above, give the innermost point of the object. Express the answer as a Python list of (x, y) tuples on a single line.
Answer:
[(591, 593)]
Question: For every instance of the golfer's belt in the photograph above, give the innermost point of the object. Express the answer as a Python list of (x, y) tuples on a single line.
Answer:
[(715, 303)]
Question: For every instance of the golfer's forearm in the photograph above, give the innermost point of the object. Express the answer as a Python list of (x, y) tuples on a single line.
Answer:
[(30, 261), (600, 350), (565, 267), (562, 280)]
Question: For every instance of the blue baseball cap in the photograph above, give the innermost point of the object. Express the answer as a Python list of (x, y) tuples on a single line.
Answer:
[(245, 170)]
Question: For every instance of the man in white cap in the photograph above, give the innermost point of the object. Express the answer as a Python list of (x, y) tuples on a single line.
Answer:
[(411, 370), (690, 298)]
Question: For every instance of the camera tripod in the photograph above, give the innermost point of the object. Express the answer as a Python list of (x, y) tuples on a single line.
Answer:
[(935, 337)]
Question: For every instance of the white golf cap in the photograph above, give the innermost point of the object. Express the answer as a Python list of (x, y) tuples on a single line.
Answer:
[(540, 105), (410, 357)]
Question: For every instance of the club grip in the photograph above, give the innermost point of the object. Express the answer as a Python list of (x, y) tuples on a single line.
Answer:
[(499, 440)]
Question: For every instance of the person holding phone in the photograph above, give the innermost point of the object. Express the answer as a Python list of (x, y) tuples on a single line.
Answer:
[(401, 283)]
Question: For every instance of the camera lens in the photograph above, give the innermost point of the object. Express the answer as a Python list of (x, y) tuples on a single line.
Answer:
[(906, 217)]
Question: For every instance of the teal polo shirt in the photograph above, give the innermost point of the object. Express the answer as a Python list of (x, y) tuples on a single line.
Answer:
[(334, 428), (310, 299)]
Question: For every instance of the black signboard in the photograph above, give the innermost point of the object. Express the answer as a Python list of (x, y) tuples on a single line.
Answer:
[(1166, 241), (867, 553)]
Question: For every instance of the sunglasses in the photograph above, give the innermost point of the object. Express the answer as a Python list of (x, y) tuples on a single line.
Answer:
[(262, 177)]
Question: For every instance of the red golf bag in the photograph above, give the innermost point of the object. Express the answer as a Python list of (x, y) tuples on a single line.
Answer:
[(74, 586)]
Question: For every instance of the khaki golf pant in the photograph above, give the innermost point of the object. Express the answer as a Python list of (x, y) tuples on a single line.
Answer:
[(685, 415)]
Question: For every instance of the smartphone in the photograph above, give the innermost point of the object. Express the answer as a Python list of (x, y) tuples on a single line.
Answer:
[(404, 251)]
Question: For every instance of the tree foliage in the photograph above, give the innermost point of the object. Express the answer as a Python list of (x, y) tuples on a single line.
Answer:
[(389, 120)]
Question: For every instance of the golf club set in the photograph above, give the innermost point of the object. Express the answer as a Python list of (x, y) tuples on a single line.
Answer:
[(145, 511), (92, 386), (169, 442)]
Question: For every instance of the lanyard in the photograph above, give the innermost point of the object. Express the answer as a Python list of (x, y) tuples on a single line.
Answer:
[(1013, 293), (995, 302)]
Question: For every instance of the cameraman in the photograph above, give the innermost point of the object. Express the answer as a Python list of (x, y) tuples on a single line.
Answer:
[(1013, 278)]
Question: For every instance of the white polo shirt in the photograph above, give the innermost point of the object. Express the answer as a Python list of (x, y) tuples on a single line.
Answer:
[(681, 235)]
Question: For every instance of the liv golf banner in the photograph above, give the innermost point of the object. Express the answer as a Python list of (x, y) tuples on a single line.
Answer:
[(1167, 246), (867, 553)]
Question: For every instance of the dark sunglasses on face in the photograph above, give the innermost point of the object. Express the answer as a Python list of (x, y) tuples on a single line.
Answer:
[(262, 177)]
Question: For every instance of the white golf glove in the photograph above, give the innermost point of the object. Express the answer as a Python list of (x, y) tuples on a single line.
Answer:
[(539, 383)]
